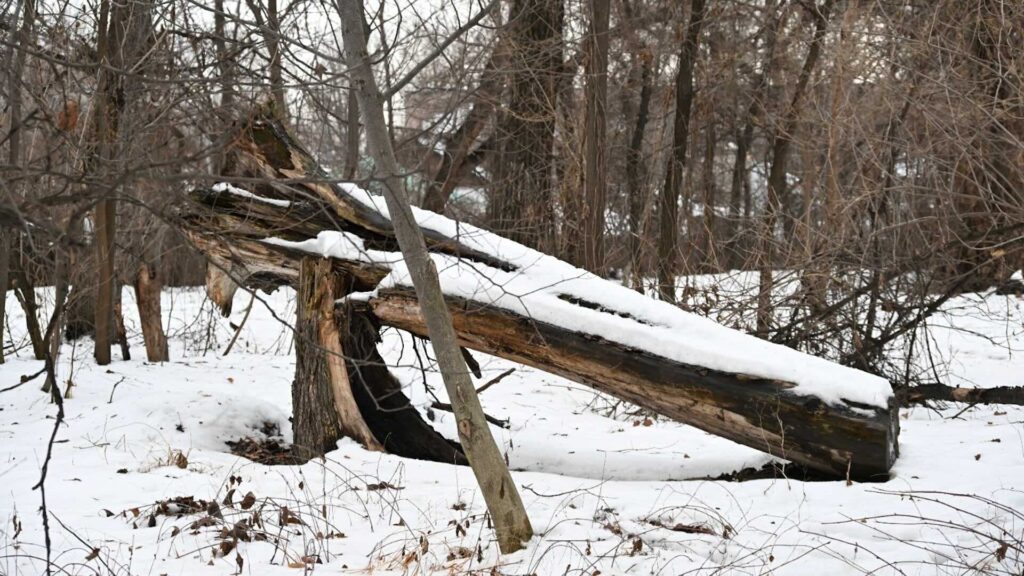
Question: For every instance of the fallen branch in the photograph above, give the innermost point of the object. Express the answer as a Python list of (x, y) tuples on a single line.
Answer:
[(941, 392), (448, 408)]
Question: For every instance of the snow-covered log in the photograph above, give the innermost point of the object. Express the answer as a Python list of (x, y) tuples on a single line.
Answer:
[(514, 302)]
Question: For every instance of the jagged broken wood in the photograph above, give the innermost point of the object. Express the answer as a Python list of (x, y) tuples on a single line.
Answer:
[(284, 207)]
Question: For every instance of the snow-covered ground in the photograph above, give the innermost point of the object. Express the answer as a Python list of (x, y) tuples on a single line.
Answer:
[(608, 491)]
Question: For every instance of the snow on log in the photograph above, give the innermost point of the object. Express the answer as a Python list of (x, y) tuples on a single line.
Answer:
[(514, 302)]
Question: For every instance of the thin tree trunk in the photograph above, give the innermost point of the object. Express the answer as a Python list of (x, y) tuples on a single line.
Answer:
[(708, 244), (777, 173), (668, 228), (739, 191), (106, 224), (595, 177), (26, 295), (635, 183), (120, 331), (15, 72), (147, 297), (510, 520), (268, 20), (225, 66), (352, 137), (5, 268), (104, 215)]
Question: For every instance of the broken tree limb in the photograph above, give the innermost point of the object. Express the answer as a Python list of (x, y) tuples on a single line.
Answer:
[(318, 339), (513, 302), (761, 413)]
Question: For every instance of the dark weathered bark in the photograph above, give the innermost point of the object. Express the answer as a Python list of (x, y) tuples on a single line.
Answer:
[(668, 220), (352, 136), (769, 415), (764, 414), (781, 145), (511, 524), (595, 158), (636, 181), (147, 296), (104, 129)]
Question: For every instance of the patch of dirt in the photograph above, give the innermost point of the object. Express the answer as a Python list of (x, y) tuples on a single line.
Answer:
[(267, 451)]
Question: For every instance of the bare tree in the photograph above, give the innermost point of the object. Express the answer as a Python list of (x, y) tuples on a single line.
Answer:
[(668, 229), (510, 520)]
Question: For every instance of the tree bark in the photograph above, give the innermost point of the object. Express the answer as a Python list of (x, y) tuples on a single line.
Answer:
[(767, 415), (323, 406), (708, 237), (120, 331), (507, 512), (15, 73), (636, 182), (147, 297), (520, 201), (595, 178), (668, 221), (105, 221), (352, 136)]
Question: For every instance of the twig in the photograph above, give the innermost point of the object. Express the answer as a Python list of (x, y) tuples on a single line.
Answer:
[(241, 325), (24, 380), (495, 380), (448, 408), (111, 399)]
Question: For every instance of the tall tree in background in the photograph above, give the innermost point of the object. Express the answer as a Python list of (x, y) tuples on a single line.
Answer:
[(15, 71), (595, 177), (668, 223), (521, 196), (781, 146)]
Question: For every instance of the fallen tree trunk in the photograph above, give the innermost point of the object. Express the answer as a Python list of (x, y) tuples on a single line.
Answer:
[(510, 301)]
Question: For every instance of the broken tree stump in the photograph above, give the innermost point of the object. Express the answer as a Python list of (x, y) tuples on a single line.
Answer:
[(510, 301)]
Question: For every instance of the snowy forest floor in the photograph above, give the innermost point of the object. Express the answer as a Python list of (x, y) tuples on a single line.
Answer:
[(608, 490)]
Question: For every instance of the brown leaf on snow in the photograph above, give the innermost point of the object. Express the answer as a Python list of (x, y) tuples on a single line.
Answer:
[(248, 501)]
